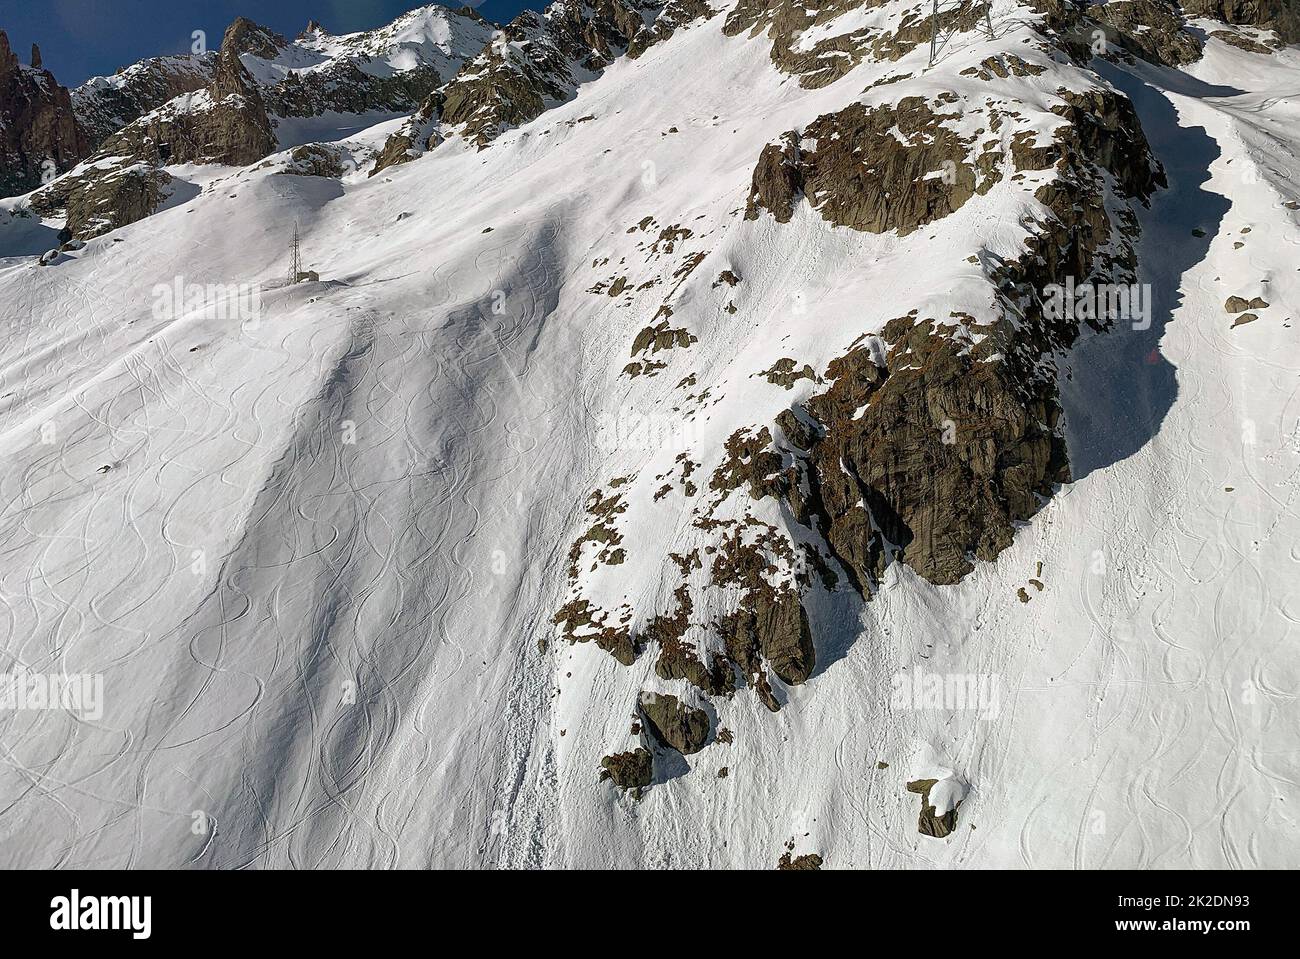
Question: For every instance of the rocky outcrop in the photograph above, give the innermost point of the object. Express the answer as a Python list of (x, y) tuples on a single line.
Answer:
[(632, 770), (929, 822), (786, 20), (674, 15), (777, 183), (344, 87), (875, 169), (1150, 29), (536, 61), (809, 862), (838, 50), (314, 159), (226, 122), (673, 723), (930, 445), (104, 105), (100, 199), (418, 135), (1280, 16), (39, 133), (950, 451)]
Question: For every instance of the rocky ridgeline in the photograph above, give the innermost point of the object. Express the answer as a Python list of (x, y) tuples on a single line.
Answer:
[(536, 61), (39, 133), (213, 108), (225, 122), (928, 442), (827, 59), (1280, 16), (104, 105)]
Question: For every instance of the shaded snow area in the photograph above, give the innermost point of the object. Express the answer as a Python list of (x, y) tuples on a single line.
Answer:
[(310, 538)]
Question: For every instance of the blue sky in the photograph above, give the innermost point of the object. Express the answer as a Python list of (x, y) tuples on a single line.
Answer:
[(84, 38)]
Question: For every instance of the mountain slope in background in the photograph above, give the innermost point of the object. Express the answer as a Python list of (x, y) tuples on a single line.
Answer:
[(674, 456)]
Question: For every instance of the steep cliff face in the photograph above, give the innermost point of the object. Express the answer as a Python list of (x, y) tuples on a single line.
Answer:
[(227, 108), (104, 105), (1280, 16), (225, 122), (39, 133)]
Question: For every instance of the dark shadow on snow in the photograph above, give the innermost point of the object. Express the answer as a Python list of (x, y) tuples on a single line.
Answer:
[(1116, 387)]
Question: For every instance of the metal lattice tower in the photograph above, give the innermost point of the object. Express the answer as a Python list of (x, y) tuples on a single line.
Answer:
[(939, 36), (295, 256)]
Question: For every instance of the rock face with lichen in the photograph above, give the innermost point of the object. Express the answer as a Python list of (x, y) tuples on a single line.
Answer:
[(1280, 16), (632, 770), (39, 133), (675, 724), (937, 430), (1150, 29)]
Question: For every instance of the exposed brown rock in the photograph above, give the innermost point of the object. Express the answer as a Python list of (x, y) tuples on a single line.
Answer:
[(778, 180), (674, 15), (1280, 16), (630, 770), (39, 133), (581, 622), (929, 824), (810, 862), (1241, 42), (1150, 29), (314, 159), (862, 175), (934, 457), (675, 724), (783, 373)]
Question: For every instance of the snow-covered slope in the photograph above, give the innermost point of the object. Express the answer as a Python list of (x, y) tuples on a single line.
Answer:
[(316, 547)]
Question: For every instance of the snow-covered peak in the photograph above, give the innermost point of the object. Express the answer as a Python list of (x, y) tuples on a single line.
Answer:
[(428, 37)]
